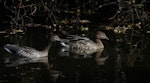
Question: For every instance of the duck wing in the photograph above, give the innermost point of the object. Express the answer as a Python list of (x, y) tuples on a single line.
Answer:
[(71, 38), (21, 51)]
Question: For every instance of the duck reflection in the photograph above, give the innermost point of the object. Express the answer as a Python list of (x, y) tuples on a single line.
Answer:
[(80, 69), (16, 61), (98, 58), (39, 69), (56, 76)]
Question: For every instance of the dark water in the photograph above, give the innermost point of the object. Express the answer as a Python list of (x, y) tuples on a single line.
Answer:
[(119, 62)]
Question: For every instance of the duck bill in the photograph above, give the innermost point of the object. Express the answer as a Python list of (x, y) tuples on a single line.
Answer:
[(107, 38)]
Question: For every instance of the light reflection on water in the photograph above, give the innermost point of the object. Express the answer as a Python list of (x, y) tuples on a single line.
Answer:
[(117, 63)]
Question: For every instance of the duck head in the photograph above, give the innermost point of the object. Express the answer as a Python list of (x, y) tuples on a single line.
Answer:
[(54, 38), (101, 35)]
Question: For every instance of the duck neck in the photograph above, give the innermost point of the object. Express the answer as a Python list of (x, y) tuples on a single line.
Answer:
[(45, 51), (99, 43)]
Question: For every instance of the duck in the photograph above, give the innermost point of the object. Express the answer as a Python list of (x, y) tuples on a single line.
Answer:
[(26, 51), (16, 61), (80, 44)]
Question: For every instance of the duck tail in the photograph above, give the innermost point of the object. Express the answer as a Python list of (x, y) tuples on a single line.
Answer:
[(11, 48), (8, 50)]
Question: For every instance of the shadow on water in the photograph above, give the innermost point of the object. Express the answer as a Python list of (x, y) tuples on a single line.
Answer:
[(119, 62)]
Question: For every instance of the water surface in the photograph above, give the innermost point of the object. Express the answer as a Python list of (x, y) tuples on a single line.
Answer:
[(119, 62)]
